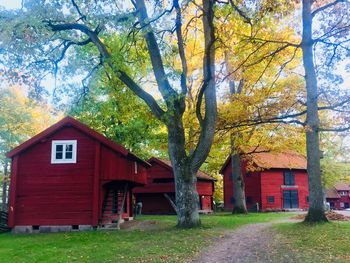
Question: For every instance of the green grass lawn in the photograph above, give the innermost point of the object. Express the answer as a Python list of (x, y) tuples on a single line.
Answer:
[(329, 242), (163, 243)]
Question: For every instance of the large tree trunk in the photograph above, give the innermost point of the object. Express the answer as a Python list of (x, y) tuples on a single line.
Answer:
[(187, 200), (186, 195), (239, 204), (316, 207), (4, 187)]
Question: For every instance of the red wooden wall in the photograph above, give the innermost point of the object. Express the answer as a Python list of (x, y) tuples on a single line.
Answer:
[(151, 195), (271, 182), (260, 185), (42, 193), (252, 187), (55, 194)]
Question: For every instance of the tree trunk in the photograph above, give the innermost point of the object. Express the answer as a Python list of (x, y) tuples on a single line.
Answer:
[(4, 187), (239, 204), (316, 211), (187, 200), (186, 195), (121, 209)]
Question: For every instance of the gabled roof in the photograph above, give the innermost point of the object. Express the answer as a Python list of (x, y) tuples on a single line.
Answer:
[(342, 187), (167, 164), (71, 122), (277, 160), (332, 193)]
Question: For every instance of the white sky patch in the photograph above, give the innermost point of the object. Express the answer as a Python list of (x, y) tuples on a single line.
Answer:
[(11, 4)]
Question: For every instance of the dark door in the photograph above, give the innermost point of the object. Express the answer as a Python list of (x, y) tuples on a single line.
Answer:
[(346, 205), (290, 199)]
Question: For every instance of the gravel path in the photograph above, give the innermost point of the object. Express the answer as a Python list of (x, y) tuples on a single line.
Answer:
[(249, 244)]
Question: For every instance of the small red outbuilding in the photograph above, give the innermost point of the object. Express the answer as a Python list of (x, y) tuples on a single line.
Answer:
[(160, 182), (71, 177), (338, 197), (274, 181)]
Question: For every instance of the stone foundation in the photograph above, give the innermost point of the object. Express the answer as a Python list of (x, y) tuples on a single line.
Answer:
[(49, 229)]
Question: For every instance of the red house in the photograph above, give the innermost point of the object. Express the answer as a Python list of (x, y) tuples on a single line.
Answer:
[(160, 182), (339, 196), (71, 177), (274, 181)]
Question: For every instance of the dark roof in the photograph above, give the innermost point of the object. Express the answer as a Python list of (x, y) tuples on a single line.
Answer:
[(332, 193), (167, 164), (279, 160), (342, 187), (71, 122)]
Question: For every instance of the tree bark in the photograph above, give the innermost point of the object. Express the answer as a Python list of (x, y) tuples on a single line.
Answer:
[(4, 187), (239, 204), (187, 199), (121, 209), (316, 211), (185, 177)]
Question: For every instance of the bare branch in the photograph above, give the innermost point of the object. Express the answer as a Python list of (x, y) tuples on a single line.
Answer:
[(180, 44), (327, 6)]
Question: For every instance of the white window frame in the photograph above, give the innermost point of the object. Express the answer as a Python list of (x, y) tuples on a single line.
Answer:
[(63, 160)]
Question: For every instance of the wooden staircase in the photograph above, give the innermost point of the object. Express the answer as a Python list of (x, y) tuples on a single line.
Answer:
[(112, 202), (3, 221)]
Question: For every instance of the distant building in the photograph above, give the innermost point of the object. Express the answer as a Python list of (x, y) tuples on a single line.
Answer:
[(274, 181), (338, 197), (161, 185)]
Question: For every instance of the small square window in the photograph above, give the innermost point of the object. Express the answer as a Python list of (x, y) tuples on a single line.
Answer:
[(249, 200), (64, 151), (271, 199)]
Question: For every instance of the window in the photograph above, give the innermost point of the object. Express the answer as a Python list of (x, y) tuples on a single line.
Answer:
[(289, 178), (342, 193), (64, 151), (249, 200), (248, 174), (271, 199)]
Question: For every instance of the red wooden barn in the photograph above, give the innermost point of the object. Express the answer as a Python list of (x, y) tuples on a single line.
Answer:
[(160, 181), (276, 181), (71, 177), (338, 197)]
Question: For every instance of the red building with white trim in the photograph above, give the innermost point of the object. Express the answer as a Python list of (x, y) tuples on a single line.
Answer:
[(338, 197), (71, 177), (160, 181), (274, 181)]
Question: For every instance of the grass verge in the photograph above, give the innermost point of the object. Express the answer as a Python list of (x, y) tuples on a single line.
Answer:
[(327, 242), (164, 243)]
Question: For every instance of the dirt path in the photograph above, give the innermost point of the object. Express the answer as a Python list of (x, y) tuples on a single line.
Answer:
[(249, 244)]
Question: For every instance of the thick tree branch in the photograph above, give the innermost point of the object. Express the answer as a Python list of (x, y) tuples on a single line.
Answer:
[(181, 47), (164, 87), (123, 76), (209, 90)]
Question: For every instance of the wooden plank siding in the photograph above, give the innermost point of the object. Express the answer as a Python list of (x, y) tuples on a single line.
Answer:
[(42, 193), (264, 183), (152, 194), (56, 194)]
